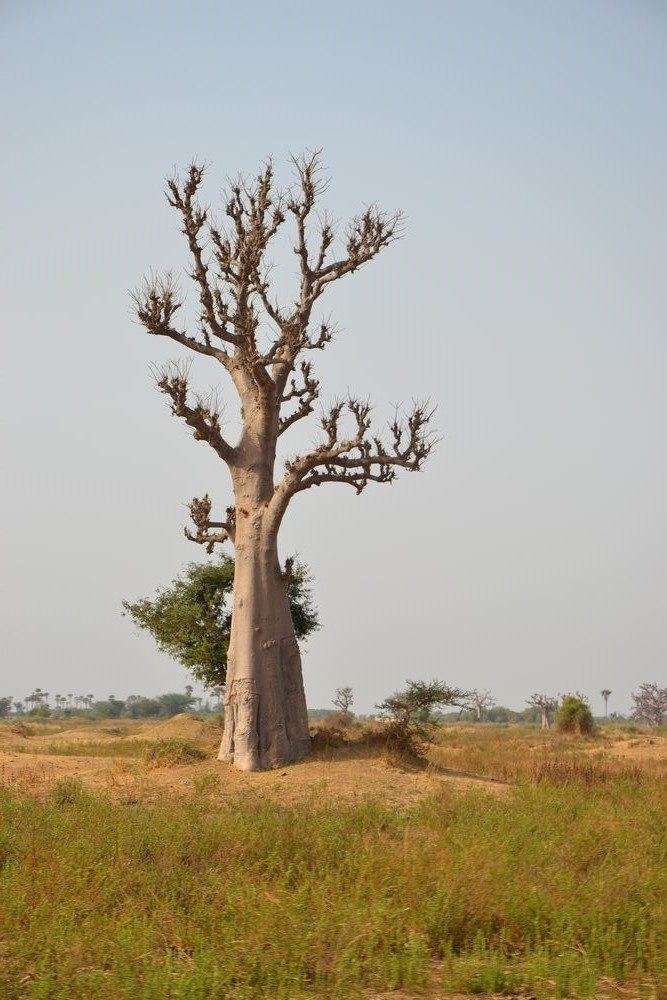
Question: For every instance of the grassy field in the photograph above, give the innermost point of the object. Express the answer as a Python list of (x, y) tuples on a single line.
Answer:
[(548, 882)]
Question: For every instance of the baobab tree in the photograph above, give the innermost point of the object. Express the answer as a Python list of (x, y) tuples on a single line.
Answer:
[(546, 704), (650, 704), (344, 700), (265, 347), (478, 702), (605, 692)]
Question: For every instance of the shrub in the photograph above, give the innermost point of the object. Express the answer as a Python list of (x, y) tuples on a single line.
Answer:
[(574, 715), (410, 724), (66, 791), (22, 729)]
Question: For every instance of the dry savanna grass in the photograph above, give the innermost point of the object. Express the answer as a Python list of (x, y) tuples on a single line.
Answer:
[(511, 863)]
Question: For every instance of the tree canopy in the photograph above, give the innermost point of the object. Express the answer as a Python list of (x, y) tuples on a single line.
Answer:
[(190, 619)]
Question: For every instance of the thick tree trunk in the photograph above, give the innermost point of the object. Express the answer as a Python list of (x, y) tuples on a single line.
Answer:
[(266, 721), (545, 719)]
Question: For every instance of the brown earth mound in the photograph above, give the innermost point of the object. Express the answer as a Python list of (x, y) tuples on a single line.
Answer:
[(183, 726)]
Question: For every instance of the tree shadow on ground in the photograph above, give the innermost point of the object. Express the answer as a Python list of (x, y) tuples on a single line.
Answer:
[(337, 746)]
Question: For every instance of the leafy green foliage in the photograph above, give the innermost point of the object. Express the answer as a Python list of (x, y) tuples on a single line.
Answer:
[(112, 708), (191, 619), (410, 715), (575, 716), (5, 707), (163, 706)]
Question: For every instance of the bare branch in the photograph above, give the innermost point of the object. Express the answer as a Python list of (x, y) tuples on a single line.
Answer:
[(203, 417), (256, 214), (200, 512), (156, 302), (309, 168), (367, 235), (181, 195), (306, 393), (360, 458), (357, 455)]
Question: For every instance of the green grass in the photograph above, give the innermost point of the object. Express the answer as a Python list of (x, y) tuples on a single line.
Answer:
[(89, 748), (549, 889), (157, 753), (523, 753)]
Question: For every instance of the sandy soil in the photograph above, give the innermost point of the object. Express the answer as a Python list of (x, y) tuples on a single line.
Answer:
[(351, 773), (31, 763)]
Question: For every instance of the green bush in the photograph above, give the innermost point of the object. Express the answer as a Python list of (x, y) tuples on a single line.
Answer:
[(574, 716), (66, 791), (410, 724)]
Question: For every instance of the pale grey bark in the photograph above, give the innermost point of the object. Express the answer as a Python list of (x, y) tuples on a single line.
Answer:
[(266, 721)]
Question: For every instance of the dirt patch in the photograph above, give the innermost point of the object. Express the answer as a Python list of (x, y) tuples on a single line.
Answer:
[(640, 747), (346, 774), (347, 767), (184, 727)]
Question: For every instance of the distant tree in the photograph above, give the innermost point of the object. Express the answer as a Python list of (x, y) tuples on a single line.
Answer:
[(344, 699), (501, 714), (112, 708), (173, 703), (191, 619), (574, 715), (546, 704), (650, 704), (478, 702), (37, 699), (410, 714), (138, 707), (5, 706), (19, 707), (605, 692)]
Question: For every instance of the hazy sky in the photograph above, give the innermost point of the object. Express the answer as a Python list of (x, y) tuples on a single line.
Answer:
[(527, 143)]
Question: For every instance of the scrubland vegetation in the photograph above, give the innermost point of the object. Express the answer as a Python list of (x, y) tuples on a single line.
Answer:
[(545, 882)]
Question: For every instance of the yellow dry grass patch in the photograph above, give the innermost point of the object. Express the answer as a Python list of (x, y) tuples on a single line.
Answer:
[(482, 757)]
